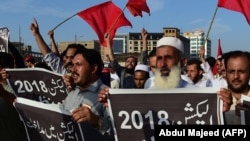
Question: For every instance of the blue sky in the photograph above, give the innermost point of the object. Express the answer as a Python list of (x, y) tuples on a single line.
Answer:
[(187, 15)]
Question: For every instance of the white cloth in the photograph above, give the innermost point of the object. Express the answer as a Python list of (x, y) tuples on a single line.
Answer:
[(201, 83), (208, 74), (114, 81), (150, 84), (114, 84), (114, 76), (219, 82), (55, 63), (151, 74), (186, 78)]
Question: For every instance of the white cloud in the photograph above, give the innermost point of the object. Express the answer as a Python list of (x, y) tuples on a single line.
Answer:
[(196, 21)]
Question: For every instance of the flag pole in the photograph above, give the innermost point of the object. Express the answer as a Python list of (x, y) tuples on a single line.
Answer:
[(63, 22), (211, 24), (117, 19)]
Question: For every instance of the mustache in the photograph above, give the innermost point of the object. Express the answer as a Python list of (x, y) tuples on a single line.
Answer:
[(164, 69), (236, 80)]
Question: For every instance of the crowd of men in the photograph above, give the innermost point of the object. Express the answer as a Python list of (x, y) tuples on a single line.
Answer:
[(162, 68)]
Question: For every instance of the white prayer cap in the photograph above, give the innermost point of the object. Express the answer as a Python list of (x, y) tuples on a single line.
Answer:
[(142, 67), (171, 41)]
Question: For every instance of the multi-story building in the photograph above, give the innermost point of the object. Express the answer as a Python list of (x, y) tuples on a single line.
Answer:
[(120, 43), (135, 40), (129, 43), (197, 40)]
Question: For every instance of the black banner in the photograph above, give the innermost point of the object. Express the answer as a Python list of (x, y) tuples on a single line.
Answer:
[(137, 112), (37, 84), (49, 122)]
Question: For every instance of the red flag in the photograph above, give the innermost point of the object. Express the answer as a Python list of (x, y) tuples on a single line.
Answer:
[(219, 55), (242, 6), (219, 50), (105, 17), (136, 7)]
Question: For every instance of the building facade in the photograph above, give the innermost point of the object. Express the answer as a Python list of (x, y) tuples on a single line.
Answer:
[(197, 40), (135, 41)]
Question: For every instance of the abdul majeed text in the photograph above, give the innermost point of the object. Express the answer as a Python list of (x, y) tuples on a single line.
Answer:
[(189, 132)]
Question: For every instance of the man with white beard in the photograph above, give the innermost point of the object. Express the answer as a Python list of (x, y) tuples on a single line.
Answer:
[(168, 65)]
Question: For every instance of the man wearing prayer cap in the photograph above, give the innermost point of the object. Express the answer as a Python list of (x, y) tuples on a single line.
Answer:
[(168, 69), (141, 74), (169, 53)]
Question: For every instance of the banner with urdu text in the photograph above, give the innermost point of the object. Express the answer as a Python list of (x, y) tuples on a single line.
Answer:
[(37, 84), (136, 112), (49, 122)]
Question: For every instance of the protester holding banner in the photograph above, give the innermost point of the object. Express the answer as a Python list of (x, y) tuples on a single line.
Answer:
[(86, 72), (168, 65), (11, 127), (6, 61), (237, 65)]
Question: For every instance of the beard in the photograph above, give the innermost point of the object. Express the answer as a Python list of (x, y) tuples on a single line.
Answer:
[(238, 89), (170, 81)]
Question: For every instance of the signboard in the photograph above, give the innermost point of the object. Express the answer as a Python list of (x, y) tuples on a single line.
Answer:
[(37, 84), (40, 123), (4, 38), (136, 112), (49, 122)]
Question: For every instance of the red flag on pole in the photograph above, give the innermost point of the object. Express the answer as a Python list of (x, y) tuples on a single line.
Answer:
[(136, 7), (242, 6), (219, 55), (105, 17)]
